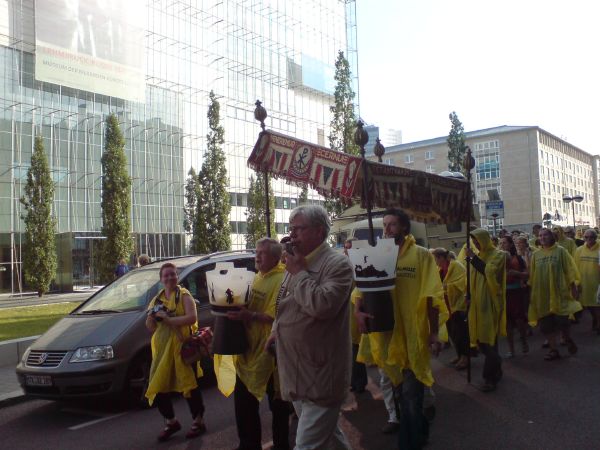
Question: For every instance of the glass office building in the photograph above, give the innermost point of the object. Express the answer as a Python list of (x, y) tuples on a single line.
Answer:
[(65, 65)]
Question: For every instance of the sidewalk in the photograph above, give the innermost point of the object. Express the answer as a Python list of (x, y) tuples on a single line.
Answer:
[(9, 386)]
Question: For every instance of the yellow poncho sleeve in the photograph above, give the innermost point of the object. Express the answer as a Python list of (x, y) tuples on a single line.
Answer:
[(455, 285), (587, 262)]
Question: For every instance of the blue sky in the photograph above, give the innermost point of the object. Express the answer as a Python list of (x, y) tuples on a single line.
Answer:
[(527, 62)]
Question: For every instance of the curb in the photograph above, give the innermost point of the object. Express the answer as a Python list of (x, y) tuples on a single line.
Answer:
[(12, 350)]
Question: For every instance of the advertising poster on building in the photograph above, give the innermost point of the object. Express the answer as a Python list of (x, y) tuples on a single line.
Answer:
[(93, 45)]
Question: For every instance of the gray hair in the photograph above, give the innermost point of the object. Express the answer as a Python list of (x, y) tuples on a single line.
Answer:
[(275, 247), (592, 231), (316, 216)]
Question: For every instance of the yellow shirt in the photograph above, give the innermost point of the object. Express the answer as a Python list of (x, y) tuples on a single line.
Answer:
[(587, 262), (487, 313), (168, 372), (407, 346), (551, 274), (256, 366)]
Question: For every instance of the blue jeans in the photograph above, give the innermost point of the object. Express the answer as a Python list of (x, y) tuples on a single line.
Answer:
[(414, 428)]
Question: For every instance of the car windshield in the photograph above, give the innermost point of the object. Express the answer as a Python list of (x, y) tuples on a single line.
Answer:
[(131, 292)]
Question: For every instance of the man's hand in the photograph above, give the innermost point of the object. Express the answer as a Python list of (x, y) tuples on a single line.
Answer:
[(469, 252), (574, 291), (434, 344), (361, 321), (295, 262), (243, 314)]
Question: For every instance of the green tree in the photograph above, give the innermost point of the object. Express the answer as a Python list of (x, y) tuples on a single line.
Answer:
[(116, 200), (456, 144), (343, 122), (39, 250), (191, 201), (212, 232), (303, 198), (256, 214)]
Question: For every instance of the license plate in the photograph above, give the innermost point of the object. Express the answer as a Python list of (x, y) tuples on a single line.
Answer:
[(38, 380)]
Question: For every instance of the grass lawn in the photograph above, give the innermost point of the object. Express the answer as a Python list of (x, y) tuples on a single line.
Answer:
[(24, 321)]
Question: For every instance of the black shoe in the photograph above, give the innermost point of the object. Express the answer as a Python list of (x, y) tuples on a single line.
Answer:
[(429, 413), (390, 427)]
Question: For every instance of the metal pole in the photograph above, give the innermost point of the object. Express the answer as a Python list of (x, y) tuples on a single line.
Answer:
[(469, 163), (573, 204), (361, 137), (260, 114)]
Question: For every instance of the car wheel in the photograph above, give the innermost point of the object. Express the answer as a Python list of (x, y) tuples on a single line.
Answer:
[(136, 383)]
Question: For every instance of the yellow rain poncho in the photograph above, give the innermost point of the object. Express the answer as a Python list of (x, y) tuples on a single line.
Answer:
[(564, 241), (256, 366), (168, 372), (487, 313), (407, 346), (587, 262), (455, 285), (551, 274)]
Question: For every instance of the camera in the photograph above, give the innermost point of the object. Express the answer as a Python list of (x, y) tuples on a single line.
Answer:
[(155, 309)]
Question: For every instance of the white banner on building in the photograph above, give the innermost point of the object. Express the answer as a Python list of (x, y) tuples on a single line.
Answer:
[(92, 45)]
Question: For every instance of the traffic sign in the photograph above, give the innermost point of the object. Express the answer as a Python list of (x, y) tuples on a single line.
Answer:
[(494, 209)]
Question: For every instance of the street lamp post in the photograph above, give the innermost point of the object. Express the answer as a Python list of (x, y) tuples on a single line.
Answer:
[(572, 199)]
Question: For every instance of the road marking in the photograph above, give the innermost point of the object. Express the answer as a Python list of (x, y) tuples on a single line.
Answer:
[(94, 422)]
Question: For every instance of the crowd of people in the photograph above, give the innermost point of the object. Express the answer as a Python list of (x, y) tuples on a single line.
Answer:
[(309, 337)]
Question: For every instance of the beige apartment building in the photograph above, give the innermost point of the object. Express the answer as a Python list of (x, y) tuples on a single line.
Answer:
[(531, 169)]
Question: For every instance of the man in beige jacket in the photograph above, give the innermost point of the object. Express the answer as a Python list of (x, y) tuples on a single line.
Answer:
[(311, 331)]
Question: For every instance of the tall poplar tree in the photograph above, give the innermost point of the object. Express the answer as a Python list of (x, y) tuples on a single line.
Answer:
[(191, 201), (256, 214), (116, 200), (39, 250), (456, 144), (343, 121), (212, 231)]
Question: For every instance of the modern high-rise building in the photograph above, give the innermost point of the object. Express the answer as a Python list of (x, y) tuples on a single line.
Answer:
[(66, 65), (387, 136), (530, 169)]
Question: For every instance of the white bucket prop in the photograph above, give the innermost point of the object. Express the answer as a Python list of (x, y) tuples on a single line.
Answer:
[(228, 287), (374, 267)]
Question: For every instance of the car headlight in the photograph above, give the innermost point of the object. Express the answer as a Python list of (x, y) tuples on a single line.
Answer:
[(95, 353)]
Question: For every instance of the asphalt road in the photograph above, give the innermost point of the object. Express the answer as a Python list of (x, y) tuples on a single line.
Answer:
[(538, 405)]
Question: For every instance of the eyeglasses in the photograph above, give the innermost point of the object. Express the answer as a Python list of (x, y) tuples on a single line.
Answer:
[(297, 228)]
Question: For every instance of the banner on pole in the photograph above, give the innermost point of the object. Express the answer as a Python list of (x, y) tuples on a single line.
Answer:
[(425, 197)]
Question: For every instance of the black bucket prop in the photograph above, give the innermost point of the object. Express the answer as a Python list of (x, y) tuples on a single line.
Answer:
[(375, 277), (229, 290), (229, 337)]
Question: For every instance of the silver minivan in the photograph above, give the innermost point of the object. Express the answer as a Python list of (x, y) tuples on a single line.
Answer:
[(103, 347)]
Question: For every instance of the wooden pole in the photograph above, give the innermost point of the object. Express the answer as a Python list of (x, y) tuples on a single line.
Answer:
[(469, 163)]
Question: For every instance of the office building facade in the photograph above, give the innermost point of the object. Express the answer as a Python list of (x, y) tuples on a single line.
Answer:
[(531, 170), (64, 66)]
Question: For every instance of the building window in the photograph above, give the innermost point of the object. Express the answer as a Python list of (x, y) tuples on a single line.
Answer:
[(409, 159), (428, 154), (388, 161), (429, 169)]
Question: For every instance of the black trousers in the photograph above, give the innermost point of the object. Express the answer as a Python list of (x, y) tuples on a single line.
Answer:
[(359, 380), (458, 332), (492, 366), (247, 418), (195, 403)]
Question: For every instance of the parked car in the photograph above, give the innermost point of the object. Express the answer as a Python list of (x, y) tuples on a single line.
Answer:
[(103, 346)]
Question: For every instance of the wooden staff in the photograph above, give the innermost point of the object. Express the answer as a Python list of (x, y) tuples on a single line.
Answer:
[(469, 163), (260, 114)]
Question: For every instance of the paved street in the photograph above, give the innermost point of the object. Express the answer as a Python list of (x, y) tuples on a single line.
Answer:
[(539, 405)]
